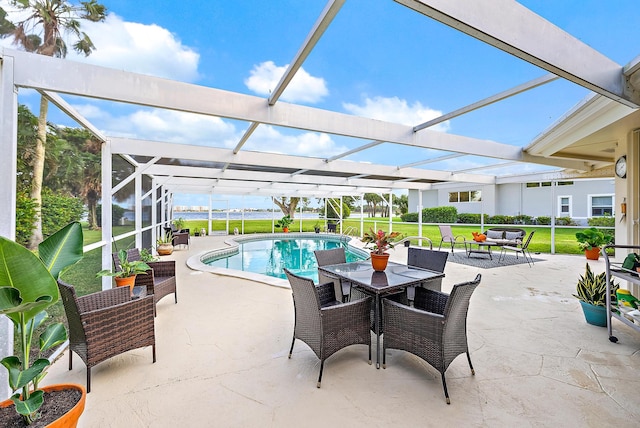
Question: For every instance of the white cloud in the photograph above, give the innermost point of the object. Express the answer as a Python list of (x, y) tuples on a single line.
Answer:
[(302, 88), (130, 46), (139, 48), (163, 125), (185, 128), (269, 139), (396, 110)]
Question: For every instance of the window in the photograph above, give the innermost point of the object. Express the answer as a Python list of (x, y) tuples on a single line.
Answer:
[(601, 205), (564, 206), (466, 196)]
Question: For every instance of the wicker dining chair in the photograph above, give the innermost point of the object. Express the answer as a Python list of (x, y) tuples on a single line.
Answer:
[(159, 281), (332, 257), (426, 259), (435, 329), (107, 323), (325, 324)]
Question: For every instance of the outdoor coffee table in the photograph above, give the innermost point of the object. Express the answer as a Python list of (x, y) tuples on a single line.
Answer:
[(483, 247), (394, 279)]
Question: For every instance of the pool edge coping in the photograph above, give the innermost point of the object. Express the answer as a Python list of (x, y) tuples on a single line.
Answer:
[(195, 262)]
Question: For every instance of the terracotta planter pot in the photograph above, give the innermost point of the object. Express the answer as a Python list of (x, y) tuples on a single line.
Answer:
[(69, 419), (379, 261), (285, 229), (592, 254), (126, 282), (164, 249)]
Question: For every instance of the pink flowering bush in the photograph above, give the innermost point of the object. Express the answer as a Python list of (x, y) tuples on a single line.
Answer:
[(380, 241)]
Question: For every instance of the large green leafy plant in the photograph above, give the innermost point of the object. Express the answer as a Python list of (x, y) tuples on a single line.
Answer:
[(592, 237), (27, 287), (127, 268)]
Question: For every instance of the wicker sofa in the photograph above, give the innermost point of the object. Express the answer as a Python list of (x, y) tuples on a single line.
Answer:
[(505, 235)]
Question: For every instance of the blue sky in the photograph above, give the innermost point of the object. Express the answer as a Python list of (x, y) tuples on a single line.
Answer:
[(377, 59)]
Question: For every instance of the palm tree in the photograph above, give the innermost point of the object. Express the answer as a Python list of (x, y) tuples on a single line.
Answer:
[(43, 31)]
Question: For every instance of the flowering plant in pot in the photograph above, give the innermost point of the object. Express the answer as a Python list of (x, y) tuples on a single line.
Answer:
[(27, 287), (379, 242)]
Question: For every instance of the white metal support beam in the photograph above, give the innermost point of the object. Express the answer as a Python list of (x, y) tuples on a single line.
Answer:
[(356, 150), (138, 207), (107, 217), (8, 171), (64, 76), (137, 173), (511, 27), (330, 11), (246, 136), (57, 100), (490, 100)]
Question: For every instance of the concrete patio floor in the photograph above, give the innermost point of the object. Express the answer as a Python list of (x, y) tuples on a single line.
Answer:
[(222, 361)]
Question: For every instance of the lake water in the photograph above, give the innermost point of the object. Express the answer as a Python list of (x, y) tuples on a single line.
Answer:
[(249, 215)]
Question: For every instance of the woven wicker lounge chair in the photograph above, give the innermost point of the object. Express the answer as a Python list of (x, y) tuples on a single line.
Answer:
[(434, 330), (107, 323), (160, 281), (324, 323), (332, 257)]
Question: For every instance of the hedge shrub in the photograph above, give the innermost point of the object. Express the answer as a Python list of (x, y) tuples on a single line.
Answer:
[(409, 217), (607, 221), (58, 211), (440, 215), (25, 217)]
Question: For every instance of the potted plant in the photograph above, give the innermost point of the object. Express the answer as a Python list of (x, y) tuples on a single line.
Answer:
[(126, 275), (284, 223), (146, 256), (592, 292), (591, 240), (164, 244), (179, 224), (380, 242), (317, 226), (27, 287)]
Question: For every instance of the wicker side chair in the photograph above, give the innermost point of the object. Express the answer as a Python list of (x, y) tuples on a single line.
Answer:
[(434, 330), (107, 323), (332, 257), (159, 281), (324, 323)]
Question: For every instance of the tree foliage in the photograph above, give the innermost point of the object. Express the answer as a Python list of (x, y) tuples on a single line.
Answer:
[(42, 27)]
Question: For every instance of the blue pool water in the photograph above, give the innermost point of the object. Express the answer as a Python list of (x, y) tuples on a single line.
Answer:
[(271, 256)]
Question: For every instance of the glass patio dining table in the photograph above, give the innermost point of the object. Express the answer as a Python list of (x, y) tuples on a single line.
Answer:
[(395, 278)]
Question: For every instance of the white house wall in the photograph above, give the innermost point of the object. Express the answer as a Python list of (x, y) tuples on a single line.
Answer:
[(516, 198)]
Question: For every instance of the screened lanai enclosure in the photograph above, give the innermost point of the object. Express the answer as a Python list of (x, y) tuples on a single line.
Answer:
[(585, 141)]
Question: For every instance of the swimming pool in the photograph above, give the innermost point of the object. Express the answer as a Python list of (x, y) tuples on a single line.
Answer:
[(270, 254)]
